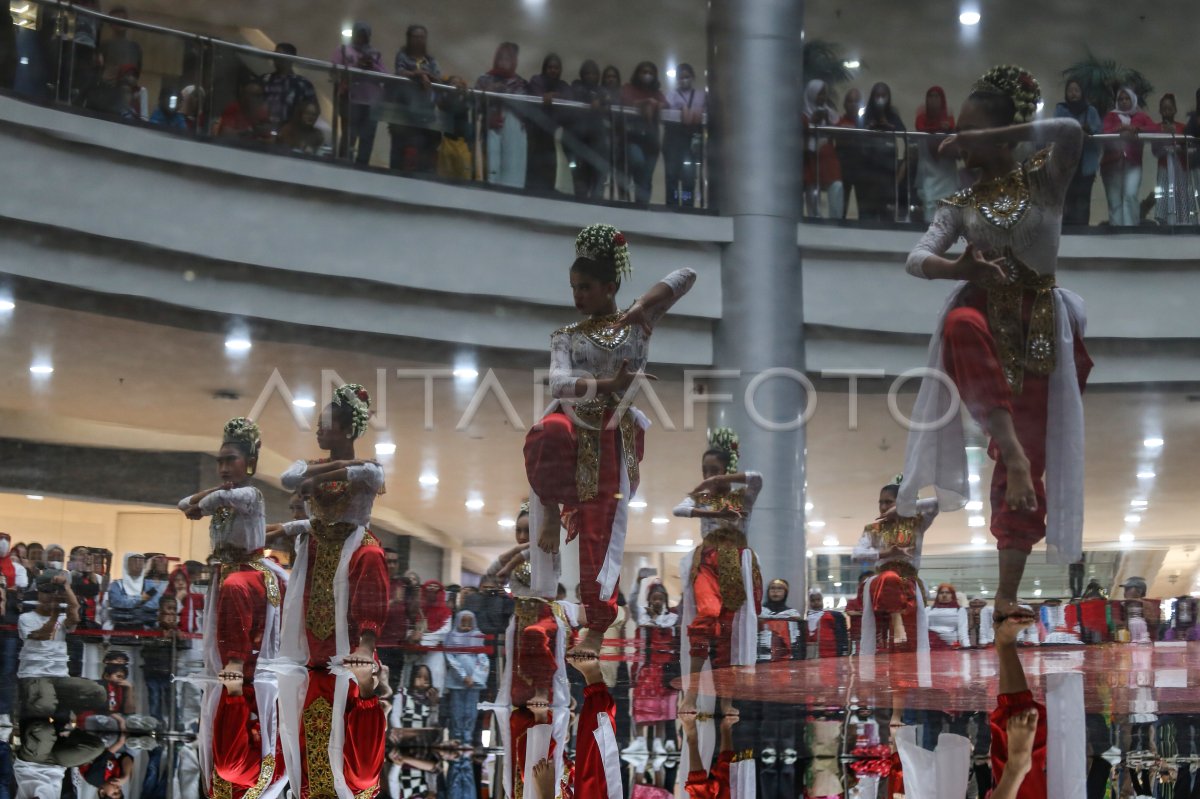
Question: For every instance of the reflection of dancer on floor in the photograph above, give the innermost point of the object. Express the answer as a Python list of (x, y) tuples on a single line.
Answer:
[(239, 731), (333, 725), (583, 458), (714, 783), (1018, 723), (1009, 339), (654, 700), (722, 584), (891, 546)]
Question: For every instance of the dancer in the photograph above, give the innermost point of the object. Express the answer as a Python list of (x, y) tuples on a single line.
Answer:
[(778, 624), (722, 584), (582, 458), (333, 727), (1010, 340), (892, 546), (716, 783), (654, 700), (238, 724)]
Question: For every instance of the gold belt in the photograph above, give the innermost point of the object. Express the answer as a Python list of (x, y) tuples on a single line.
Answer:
[(318, 726), (902, 569), (320, 615), (589, 424), (729, 543), (1020, 349)]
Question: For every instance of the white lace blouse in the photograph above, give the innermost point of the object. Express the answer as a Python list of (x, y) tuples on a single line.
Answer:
[(593, 348), (1027, 222), (365, 481), (239, 518), (749, 493)]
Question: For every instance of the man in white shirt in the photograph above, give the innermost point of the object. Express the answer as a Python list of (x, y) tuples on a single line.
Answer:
[(44, 629)]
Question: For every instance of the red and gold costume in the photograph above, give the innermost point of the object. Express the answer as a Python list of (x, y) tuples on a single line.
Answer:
[(711, 784), (722, 595), (333, 739), (895, 588)]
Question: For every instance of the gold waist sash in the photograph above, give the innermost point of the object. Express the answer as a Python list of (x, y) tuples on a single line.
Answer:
[(1022, 350), (320, 615), (728, 543), (589, 426)]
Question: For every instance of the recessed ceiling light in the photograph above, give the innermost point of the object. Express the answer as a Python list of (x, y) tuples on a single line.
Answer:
[(1037, 582), (1152, 443), (507, 523), (237, 344), (385, 449), (969, 18), (7, 305), (829, 577), (1037, 592), (35, 497), (1139, 503), (683, 542), (983, 590), (660, 520), (808, 553), (851, 64), (972, 478), (978, 540), (637, 503), (428, 479), (347, 32), (1132, 518), (975, 504), (465, 373), (1147, 475), (304, 403), (41, 369), (808, 506), (830, 541), (1126, 537), (837, 585), (474, 504), (975, 521), (816, 524)]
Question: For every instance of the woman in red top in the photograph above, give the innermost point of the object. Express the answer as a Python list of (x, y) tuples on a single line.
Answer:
[(937, 175), (1121, 166)]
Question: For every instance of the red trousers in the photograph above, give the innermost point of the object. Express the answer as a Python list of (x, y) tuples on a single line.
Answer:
[(534, 662), (366, 729), (891, 593), (551, 455), (590, 777), (972, 360), (1007, 706), (241, 618), (237, 741), (711, 633), (713, 784)]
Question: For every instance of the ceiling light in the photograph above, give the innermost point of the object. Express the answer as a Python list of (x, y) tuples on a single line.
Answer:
[(1126, 537), (816, 524), (237, 344), (982, 590), (683, 542), (1037, 592), (972, 478), (851, 64), (829, 577), (466, 373), (830, 541), (975, 521), (507, 523), (1139, 503), (428, 480), (1152, 443), (975, 504), (978, 540), (1037, 582), (969, 18), (7, 305), (1147, 475), (41, 369), (304, 403), (808, 506), (660, 520), (35, 497), (808, 553), (474, 504), (385, 449), (1132, 518), (347, 33), (837, 585), (637, 503)]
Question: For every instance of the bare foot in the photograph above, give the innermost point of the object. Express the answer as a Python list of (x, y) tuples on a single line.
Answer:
[(732, 716), (1010, 629), (899, 634), (543, 778), (1022, 729), (1020, 495), (364, 670), (589, 645), (549, 535), (231, 677), (1006, 608), (687, 705)]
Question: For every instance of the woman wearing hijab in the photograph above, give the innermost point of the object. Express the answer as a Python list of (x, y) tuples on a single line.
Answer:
[(506, 148), (1172, 197), (1121, 166), (466, 674), (881, 174), (947, 621), (541, 166), (437, 626), (642, 134), (778, 624), (1078, 208), (937, 175), (822, 170), (128, 600)]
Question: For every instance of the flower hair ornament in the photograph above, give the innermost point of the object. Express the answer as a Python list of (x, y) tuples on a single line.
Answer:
[(1018, 84), (605, 243), (243, 433), (356, 398), (724, 439), (524, 511)]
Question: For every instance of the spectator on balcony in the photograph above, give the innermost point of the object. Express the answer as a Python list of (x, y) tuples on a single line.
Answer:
[(849, 148), (191, 102), (167, 114), (683, 141), (822, 170), (466, 675), (415, 143), (78, 59), (542, 124), (937, 175), (129, 598), (506, 148), (116, 48), (158, 575), (1173, 203), (284, 90), (455, 155), (35, 559), (86, 585), (1078, 207), (395, 630), (1121, 166), (643, 141), (189, 605), (301, 134), (357, 96), (880, 181), (585, 139), (245, 119), (438, 620)]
